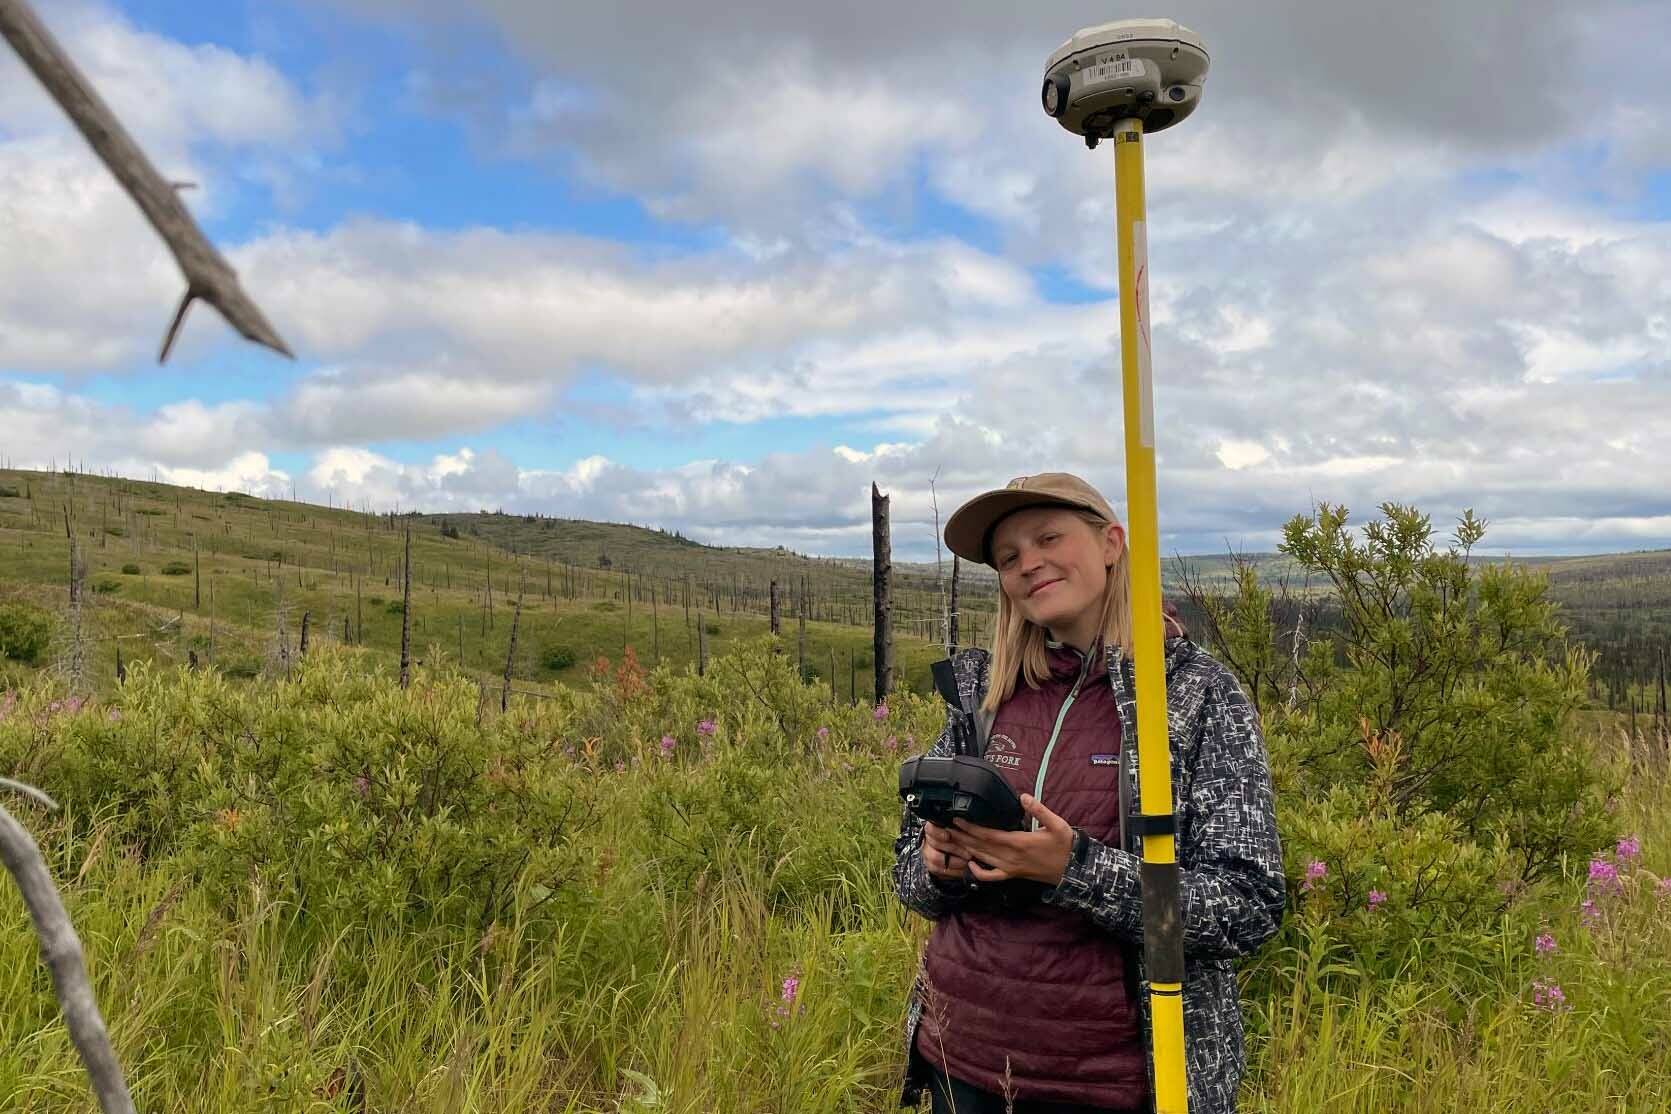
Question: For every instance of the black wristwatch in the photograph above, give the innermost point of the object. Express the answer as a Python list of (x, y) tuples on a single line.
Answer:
[(1081, 845)]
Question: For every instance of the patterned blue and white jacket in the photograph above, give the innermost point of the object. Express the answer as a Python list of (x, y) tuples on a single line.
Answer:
[(1232, 893)]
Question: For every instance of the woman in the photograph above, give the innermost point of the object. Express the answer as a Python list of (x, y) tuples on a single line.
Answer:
[(1030, 997)]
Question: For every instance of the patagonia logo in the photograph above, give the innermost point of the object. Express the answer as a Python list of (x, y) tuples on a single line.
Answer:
[(1105, 759)]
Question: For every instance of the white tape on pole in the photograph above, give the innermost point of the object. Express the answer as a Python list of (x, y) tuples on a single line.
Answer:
[(1145, 376)]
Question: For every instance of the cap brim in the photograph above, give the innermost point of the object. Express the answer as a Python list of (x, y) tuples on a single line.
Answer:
[(967, 530)]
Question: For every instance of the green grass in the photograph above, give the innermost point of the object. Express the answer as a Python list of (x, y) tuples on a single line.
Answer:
[(259, 560), (640, 991)]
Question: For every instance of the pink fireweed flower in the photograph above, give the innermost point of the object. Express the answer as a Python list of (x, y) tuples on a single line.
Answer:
[(1315, 871), (1377, 898), (791, 987), (823, 733), (1549, 995), (620, 766), (880, 714), (1545, 943), (362, 785), (1628, 848), (668, 742), (1588, 912), (1604, 875), (890, 743), (114, 715), (707, 727)]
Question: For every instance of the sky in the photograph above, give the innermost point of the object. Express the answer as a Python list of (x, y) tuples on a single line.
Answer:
[(719, 267)]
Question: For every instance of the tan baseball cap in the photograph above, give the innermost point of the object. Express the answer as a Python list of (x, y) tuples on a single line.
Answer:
[(969, 530)]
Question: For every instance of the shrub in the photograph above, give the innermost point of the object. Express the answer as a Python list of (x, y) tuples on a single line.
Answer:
[(130, 569), (177, 568), (711, 627), (9, 492), (359, 801), (105, 585), (25, 631), (116, 531), (243, 668), (1427, 750), (1468, 674), (395, 607), (557, 657)]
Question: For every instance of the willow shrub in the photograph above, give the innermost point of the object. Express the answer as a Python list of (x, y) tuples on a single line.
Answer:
[(359, 801), (1430, 770)]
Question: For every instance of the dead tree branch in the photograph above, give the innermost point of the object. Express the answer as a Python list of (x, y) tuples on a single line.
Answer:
[(208, 275), (61, 951)]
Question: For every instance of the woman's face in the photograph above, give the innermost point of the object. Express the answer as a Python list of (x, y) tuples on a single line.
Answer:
[(1052, 565)]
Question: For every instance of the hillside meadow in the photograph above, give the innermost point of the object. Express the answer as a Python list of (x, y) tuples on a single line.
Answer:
[(171, 574)]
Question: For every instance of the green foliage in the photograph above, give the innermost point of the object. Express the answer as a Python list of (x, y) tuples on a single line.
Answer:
[(239, 667), (131, 569), (25, 631), (1429, 750), (266, 933), (7, 491), (104, 585), (363, 802), (557, 658), (116, 531), (1466, 672), (395, 607), (177, 568)]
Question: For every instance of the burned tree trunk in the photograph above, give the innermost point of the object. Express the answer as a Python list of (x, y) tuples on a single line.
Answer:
[(406, 614), (881, 578), (776, 621), (701, 647), (951, 611), (510, 655)]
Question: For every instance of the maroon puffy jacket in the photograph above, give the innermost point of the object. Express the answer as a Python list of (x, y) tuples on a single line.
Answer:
[(1037, 989)]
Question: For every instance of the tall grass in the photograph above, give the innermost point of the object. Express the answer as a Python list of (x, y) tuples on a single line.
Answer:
[(775, 979)]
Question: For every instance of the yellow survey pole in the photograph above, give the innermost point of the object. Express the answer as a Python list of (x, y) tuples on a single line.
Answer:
[(1162, 931)]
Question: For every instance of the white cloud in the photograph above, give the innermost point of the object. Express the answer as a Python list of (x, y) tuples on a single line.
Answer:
[(248, 472), (1342, 309)]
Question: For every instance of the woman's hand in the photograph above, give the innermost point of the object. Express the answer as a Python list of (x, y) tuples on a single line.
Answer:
[(994, 856), (940, 854)]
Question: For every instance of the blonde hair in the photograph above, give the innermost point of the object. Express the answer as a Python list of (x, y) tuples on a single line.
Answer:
[(1018, 650)]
